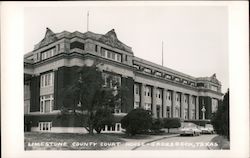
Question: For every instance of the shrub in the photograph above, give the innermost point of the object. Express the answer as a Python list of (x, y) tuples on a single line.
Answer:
[(157, 125), (171, 123), (137, 121), (102, 117)]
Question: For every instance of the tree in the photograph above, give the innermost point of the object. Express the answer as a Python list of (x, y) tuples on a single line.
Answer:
[(220, 121), (103, 116), (136, 121), (87, 93), (171, 123)]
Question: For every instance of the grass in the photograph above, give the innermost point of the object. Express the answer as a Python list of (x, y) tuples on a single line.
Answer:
[(72, 141), (222, 142)]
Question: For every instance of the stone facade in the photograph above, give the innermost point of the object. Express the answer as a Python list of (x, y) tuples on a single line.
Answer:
[(163, 91)]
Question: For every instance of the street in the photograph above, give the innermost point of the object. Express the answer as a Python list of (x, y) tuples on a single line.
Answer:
[(201, 142)]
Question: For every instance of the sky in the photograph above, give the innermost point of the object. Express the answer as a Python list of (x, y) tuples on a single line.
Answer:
[(195, 37)]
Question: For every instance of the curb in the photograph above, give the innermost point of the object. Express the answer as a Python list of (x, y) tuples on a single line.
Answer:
[(174, 135)]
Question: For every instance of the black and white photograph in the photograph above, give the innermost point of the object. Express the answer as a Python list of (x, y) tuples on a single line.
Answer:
[(136, 76)]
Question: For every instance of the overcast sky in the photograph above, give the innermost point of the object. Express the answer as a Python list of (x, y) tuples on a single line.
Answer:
[(195, 37)]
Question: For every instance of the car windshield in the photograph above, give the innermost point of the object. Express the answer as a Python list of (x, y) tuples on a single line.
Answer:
[(209, 126), (188, 125)]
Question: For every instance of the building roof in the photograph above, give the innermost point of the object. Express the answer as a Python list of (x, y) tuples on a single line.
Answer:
[(109, 38)]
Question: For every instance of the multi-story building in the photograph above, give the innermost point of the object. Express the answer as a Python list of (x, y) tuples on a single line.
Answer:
[(49, 68)]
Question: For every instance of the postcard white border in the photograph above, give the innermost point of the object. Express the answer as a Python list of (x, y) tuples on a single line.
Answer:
[(12, 81)]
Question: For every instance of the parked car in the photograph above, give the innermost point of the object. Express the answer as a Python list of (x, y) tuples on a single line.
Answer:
[(208, 129), (189, 128)]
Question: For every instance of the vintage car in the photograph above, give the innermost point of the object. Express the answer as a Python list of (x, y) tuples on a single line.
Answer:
[(208, 129), (189, 128)]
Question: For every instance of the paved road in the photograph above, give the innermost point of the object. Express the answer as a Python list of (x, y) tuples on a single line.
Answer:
[(201, 142)]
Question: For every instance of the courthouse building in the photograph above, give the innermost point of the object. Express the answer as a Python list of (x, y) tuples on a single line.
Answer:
[(167, 93)]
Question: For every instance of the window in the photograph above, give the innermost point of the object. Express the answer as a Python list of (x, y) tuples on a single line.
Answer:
[(113, 56), (45, 126), (26, 106), (148, 91), (158, 110), (169, 95), (200, 84), (168, 111), (118, 126), (58, 47), (147, 70), (111, 81), (126, 58), (193, 114), (46, 103), (168, 77), (78, 45), (48, 53), (193, 100), (47, 79), (214, 88), (136, 89), (96, 48), (177, 112), (158, 73), (118, 57), (185, 82), (110, 55), (136, 105), (147, 106), (203, 101), (158, 94), (186, 114), (103, 53), (136, 66), (113, 128), (177, 79)]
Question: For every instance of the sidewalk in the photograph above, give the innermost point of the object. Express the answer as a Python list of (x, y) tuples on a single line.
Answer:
[(133, 144)]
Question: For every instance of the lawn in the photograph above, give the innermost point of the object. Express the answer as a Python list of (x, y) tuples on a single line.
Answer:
[(70, 141)]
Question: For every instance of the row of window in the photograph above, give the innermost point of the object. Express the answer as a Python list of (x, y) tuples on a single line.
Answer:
[(111, 80), (45, 126), (49, 53), (157, 73), (47, 79), (147, 106), (148, 92), (46, 103), (110, 55), (115, 128)]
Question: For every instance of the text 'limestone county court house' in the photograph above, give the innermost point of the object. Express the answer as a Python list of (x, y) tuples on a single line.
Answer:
[(166, 92)]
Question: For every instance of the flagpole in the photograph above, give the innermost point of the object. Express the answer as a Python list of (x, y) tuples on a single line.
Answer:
[(88, 21), (162, 57)]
